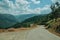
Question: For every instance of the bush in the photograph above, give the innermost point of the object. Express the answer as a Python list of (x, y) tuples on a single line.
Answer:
[(26, 25)]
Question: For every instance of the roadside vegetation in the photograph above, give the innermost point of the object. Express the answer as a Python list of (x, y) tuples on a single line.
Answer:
[(53, 25), (51, 20)]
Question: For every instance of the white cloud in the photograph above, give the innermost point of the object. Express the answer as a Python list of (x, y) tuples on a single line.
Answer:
[(35, 1), (16, 8), (20, 7), (38, 10), (46, 7), (55, 1), (22, 1)]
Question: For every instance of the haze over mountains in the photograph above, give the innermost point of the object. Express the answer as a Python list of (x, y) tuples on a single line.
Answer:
[(23, 17), (7, 20)]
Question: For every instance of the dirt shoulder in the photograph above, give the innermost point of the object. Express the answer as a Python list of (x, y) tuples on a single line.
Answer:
[(15, 29), (52, 31)]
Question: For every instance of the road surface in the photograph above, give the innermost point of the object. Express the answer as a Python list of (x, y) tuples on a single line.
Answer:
[(39, 33)]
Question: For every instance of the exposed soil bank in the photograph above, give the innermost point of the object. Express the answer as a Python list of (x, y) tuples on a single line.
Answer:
[(52, 31)]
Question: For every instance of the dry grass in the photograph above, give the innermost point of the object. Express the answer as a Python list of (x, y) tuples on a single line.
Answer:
[(13, 29), (53, 31), (53, 26), (16, 29)]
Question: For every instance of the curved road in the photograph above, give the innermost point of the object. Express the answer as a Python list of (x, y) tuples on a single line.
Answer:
[(39, 33)]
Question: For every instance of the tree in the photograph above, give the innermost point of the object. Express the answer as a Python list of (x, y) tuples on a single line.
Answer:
[(55, 10)]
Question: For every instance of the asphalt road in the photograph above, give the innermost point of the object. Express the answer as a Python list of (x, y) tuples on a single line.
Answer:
[(39, 33)]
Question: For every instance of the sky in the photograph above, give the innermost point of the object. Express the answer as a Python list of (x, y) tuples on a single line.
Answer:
[(17, 7)]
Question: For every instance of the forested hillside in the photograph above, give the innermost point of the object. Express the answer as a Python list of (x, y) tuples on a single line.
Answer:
[(7, 20), (54, 23), (39, 20)]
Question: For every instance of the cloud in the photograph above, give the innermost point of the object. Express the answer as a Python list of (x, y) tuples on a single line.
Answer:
[(46, 7), (9, 7), (34, 11), (54, 1), (38, 10), (22, 1), (20, 7), (35, 1)]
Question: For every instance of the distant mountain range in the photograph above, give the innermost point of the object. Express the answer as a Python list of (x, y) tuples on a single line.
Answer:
[(21, 18), (36, 19), (7, 20)]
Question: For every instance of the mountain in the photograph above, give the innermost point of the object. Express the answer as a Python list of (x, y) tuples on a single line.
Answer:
[(7, 20), (37, 19), (21, 18)]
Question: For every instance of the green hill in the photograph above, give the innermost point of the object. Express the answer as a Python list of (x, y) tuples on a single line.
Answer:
[(7, 20)]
